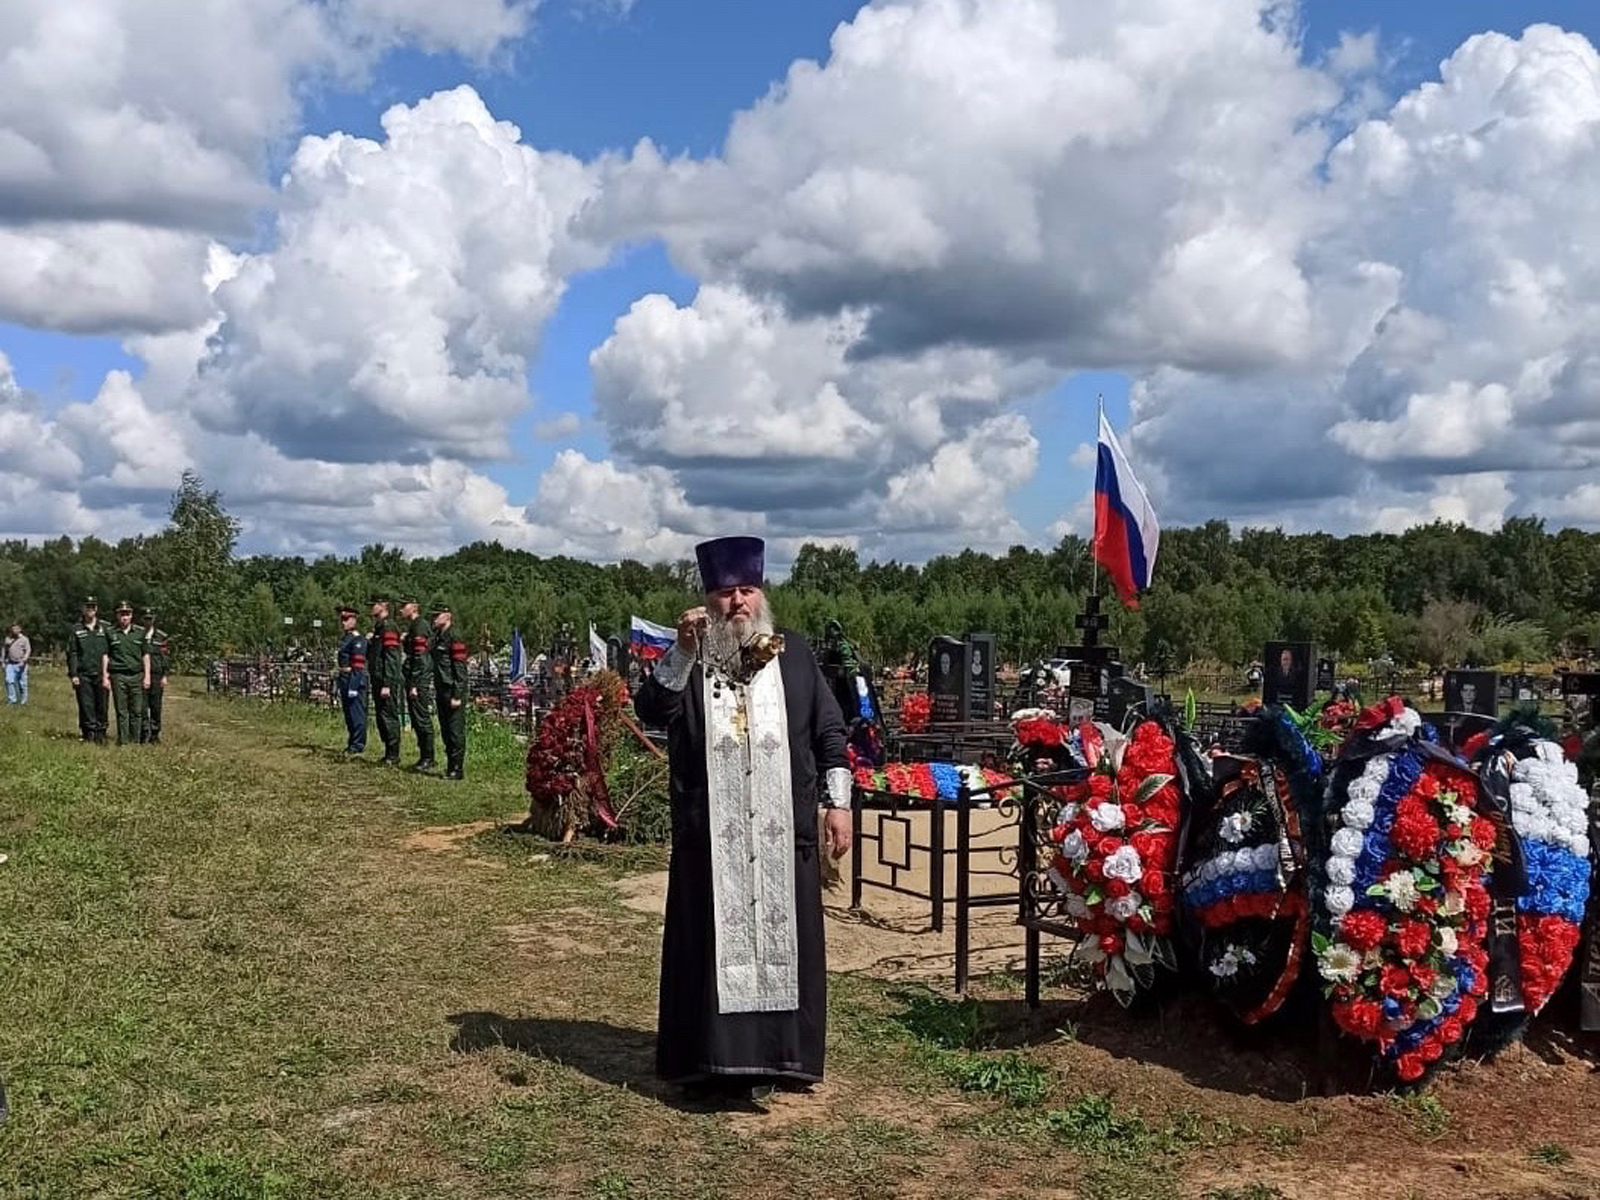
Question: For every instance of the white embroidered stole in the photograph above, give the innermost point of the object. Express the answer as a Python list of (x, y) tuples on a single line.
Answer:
[(752, 843)]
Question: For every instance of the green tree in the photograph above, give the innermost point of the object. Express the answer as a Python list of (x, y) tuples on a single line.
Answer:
[(831, 570), (193, 561), (1445, 631)]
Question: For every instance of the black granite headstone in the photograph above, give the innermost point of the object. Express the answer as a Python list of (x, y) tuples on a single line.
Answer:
[(1581, 683), (1287, 674), (1327, 668), (980, 676), (1472, 692), (948, 679), (1123, 696)]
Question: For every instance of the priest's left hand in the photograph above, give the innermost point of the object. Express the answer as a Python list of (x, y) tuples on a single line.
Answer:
[(836, 825)]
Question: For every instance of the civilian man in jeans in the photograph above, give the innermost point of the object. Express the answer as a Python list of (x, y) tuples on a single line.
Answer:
[(17, 652)]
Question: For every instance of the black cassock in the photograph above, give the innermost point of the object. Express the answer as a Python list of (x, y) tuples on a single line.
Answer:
[(693, 1039)]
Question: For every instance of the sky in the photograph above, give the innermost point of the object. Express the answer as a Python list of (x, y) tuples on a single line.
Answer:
[(606, 277)]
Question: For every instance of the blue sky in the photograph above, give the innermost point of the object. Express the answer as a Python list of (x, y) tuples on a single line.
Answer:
[(675, 71)]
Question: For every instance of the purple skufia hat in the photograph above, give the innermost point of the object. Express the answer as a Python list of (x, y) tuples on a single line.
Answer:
[(731, 562)]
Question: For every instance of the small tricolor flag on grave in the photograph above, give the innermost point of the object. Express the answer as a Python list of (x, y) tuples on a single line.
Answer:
[(649, 641), (1125, 530)]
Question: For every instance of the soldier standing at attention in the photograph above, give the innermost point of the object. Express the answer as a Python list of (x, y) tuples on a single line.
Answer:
[(353, 681), (127, 667), (419, 679), (449, 651), (86, 659), (159, 646), (386, 662)]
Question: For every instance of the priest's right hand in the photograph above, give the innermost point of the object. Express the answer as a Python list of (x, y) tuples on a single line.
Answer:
[(690, 625)]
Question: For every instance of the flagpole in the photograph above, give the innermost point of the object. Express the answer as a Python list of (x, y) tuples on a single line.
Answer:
[(1094, 524)]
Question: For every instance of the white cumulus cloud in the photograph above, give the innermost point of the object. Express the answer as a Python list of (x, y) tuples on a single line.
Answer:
[(411, 279)]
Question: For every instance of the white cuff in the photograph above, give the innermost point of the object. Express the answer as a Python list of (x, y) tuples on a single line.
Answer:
[(838, 783), (672, 672)]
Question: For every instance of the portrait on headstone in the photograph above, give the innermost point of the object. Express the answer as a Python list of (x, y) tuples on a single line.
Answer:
[(1288, 674), (1472, 692)]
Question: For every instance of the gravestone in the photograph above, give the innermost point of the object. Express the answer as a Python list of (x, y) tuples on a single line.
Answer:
[(1327, 669), (1476, 692), (1124, 695), (980, 676), (948, 679), (1288, 674), (1090, 670)]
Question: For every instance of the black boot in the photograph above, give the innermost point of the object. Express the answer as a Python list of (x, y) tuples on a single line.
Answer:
[(455, 772), (424, 764)]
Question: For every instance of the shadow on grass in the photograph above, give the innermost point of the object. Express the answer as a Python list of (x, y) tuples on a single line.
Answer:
[(614, 1055), (1181, 1032)]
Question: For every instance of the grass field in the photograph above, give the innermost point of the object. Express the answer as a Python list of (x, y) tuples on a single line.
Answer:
[(237, 966)]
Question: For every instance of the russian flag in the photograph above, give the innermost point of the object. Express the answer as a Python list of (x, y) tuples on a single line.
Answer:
[(1126, 534), (649, 641)]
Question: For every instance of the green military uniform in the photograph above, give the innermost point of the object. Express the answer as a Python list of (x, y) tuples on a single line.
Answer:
[(449, 650), (160, 649), (128, 662), (419, 685), (86, 652), (386, 665)]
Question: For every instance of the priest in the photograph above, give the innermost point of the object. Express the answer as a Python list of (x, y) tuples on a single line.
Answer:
[(756, 742)]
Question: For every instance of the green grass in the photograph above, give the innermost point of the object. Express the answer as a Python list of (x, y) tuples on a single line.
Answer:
[(1550, 1154), (227, 975), (1427, 1112)]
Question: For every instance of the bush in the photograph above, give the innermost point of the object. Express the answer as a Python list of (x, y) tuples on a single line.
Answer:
[(637, 781)]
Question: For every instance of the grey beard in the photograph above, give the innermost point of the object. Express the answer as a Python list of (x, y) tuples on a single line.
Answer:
[(723, 639)]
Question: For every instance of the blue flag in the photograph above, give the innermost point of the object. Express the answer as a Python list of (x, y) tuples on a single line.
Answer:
[(516, 655)]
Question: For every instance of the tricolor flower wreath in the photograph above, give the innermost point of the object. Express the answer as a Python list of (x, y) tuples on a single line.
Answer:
[(933, 780), (1406, 908), (1116, 839), (1246, 890), (1550, 813)]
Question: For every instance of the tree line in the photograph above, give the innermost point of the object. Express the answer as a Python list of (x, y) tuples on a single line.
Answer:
[(1434, 595)]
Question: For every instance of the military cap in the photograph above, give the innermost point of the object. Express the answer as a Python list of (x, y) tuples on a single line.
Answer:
[(90, 602), (148, 614), (405, 598), (439, 606), (346, 611), (123, 606), (378, 598)]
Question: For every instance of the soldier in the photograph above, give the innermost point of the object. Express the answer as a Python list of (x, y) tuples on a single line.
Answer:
[(160, 647), (353, 681), (86, 667), (449, 650), (386, 663), (128, 673), (419, 679)]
